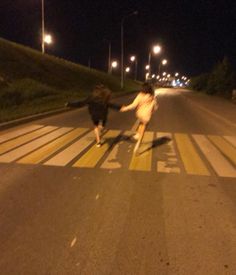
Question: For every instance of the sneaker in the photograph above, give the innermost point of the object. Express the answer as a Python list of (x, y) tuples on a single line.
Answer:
[(98, 144), (136, 136)]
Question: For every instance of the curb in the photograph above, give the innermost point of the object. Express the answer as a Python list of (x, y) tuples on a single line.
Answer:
[(16, 122), (9, 124)]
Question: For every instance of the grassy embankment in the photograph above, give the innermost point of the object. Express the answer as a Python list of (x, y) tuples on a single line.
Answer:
[(31, 83)]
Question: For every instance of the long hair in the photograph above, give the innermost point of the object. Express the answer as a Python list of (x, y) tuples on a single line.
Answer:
[(147, 89)]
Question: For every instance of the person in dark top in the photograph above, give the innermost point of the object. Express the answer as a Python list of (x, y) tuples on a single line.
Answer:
[(98, 104)]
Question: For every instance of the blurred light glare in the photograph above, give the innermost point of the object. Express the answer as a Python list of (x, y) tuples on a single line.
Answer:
[(176, 74), (132, 58), (164, 62), (147, 67), (114, 64), (164, 73), (48, 39), (127, 69), (156, 49), (153, 75)]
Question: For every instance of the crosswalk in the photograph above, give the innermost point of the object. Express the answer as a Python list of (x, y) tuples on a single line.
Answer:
[(171, 153)]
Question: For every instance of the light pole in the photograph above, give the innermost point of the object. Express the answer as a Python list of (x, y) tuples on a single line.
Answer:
[(163, 62), (43, 30), (113, 64), (156, 49), (122, 47), (133, 58), (109, 58)]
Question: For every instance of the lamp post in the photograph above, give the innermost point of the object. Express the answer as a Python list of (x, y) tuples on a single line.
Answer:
[(109, 58), (122, 47), (156, 50), (113, 64), (43, 30), (134, 59), (163, 62), (127, 70)]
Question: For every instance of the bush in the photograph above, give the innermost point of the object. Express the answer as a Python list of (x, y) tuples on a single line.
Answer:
[(199, 83), (221, 80), (24, 90)]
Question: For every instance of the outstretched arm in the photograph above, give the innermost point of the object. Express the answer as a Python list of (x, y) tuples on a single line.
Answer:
[(77, 104), (131, 106), (114, 106)]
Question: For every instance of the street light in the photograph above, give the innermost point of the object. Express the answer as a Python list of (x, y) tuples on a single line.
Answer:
[(134, 59), (147, 67), (156, 50), (48, 39), (122, 47), (114, 64), (163, 62)]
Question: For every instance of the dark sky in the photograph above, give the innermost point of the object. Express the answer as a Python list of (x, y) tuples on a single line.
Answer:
[(194, 34)]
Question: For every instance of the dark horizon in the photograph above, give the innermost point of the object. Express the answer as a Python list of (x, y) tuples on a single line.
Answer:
[(194, 36)]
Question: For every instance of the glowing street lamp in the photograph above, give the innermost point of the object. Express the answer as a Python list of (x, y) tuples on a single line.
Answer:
[(163, 62), (134, 59), (114, 65), (147, 67), (156, 50), (164, 73), (176, 74), (127, 69), (48, 39)]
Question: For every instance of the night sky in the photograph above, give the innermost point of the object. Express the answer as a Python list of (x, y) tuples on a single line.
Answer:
[(194, 34)]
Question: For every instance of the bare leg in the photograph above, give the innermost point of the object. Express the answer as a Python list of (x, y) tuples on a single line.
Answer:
[(96, 132), (141, 131)]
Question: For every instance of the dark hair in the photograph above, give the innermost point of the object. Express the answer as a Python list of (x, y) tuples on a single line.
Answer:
[(101, 93), (147, 88)]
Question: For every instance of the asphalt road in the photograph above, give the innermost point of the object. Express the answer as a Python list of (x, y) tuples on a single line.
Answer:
[(67, 207)]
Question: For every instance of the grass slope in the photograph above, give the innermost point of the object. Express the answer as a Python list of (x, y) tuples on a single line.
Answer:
[(31, 82)]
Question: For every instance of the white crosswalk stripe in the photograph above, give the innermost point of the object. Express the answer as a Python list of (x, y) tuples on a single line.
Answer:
[(52, 146)]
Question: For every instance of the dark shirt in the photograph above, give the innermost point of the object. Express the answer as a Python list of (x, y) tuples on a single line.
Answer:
[(98, 108)]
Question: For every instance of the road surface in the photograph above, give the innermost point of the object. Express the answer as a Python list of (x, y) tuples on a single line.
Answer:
[(68, 207)]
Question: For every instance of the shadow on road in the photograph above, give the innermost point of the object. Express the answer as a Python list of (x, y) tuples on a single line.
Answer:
[(156, 142)]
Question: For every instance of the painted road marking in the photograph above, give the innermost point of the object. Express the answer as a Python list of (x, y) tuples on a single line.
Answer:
[(51, 148), (143, 161), (170, 164), (61, 146), (231, 139), (221, 165), (67, 155), (31, 146), (91, 158), (9, 145), (226, 148), (111, 161), (193, 164), (18, 132)]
